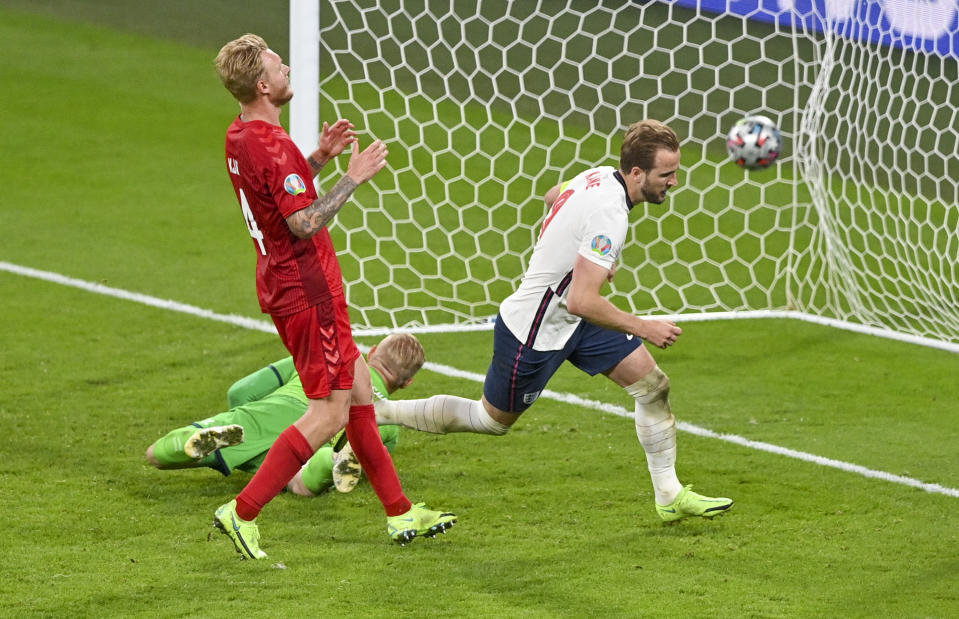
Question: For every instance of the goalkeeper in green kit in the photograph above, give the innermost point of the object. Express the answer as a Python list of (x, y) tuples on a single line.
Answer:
[(265, 403)]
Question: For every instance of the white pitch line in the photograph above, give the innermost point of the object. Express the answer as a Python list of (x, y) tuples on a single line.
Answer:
[(567, 398), (56, 278)]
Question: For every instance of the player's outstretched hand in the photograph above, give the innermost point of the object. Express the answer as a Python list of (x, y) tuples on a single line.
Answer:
[(364, 165), (335, 138), (661, 333)]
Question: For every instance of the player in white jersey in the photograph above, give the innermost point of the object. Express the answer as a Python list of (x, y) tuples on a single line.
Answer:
[(559, 314), (589, 218)]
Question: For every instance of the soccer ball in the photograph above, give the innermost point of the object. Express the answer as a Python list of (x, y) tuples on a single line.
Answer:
[(754, 142)]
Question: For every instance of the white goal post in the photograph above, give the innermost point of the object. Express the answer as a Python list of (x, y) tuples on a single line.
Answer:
[(487, 104)]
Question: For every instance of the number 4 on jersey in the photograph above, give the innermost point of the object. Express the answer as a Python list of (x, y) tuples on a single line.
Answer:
[(251, 222)]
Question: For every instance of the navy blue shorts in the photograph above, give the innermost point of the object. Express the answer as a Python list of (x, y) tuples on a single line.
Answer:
[(518, 374)]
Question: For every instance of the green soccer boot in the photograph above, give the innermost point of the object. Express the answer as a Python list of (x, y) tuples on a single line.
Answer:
[(205, 441), (243, 533), (688, 503), (346, 469), (418, 521), (338, 440)]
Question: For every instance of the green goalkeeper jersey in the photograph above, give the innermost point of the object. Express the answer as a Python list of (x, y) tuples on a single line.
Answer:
[(266, 403), (281, 379)]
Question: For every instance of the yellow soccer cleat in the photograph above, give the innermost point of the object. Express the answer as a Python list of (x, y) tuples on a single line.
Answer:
[(418, 521), (243, 533), (688, 503)]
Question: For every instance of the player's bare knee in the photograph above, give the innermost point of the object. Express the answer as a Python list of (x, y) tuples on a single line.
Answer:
[(652, 387)]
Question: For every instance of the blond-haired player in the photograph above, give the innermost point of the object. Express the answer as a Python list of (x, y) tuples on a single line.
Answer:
[(300, 285)]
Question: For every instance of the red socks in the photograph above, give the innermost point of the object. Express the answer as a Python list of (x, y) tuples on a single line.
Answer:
[(290, 451), (364, 436)]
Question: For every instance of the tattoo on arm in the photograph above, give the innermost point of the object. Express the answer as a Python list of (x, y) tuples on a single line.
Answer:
[(315, 165), (307, 222)]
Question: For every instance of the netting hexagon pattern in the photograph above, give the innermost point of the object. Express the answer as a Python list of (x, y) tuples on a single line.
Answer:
[(487, 105)]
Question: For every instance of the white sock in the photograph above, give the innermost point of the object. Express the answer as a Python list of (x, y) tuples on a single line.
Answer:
[(440, 414), (656, 430)]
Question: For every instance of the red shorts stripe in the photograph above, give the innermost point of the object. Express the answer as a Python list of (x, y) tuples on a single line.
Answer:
[(320, 338)]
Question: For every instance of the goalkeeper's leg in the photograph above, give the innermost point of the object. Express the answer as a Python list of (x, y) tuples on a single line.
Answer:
[(192, 446), (316, 476)]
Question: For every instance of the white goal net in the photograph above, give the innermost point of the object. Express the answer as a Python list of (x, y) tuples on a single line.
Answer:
[(487, 104)]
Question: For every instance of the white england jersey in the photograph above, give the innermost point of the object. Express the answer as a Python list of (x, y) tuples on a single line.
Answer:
[(588, 218)]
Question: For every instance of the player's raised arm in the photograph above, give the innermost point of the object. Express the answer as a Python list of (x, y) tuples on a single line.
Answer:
[(333, 140), (362, 167)]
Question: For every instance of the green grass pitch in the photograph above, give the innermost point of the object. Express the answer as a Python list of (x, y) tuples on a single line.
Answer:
[(113, 173)]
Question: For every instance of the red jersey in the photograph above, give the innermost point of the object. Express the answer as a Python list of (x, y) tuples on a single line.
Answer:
[(273, 180)]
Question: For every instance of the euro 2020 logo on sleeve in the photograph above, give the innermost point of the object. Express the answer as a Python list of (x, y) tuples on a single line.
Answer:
[(294, 185), (601, 244)]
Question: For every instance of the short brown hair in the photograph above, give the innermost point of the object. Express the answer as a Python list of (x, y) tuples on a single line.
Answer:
[(240, 66), (401, 354), (642, 141)]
